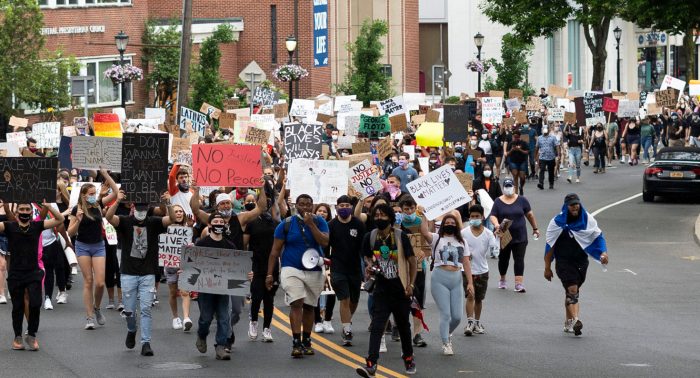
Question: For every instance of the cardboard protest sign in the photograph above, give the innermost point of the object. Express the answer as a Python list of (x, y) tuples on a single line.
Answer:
[(257, 136), (210, 110), (360, 148), (364, 177), (19, 138), (438, 192), (666, 97), (500, 94), (508, 122), (570, 118), (534, 103), (456, 118), (69, 131), (265, 96), (481, 94), (418, 119), (197, 119), (432, 115), (653, 109), (492, 110), (180, 144), (240, 129), (556, 91), (515, 93), (231, 103), (144, 171), (628, 108), (18, 122), (392, 106), (323, 180), (513, 104), (374, 125), (170, 245), (610, 104), (215, 271), (281, 111), (302, 108), (226, 165), (97, 152), (226, 120), (107, 125), (384, 148), (694, 88), (398, 123), (357, 158), (28, 179), (466, 179), (302, 141), (556, 115)]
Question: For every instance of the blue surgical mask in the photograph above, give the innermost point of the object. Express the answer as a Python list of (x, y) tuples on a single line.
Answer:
[(410, 218), (91, 200), (399, 218), (475, 223)]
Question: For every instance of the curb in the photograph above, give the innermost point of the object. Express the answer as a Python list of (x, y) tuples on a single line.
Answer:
[(696, 235)]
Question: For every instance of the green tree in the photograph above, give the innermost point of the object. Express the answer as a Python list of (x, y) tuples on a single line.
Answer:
[(365, 77), (511, 71), (534, 18), (208, 85), (163, 60)]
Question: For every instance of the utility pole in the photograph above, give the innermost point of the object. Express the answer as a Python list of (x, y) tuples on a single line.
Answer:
[(185, 57)]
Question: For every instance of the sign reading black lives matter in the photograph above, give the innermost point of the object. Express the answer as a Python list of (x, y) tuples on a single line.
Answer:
[(144, 167), (438, 192), (302, 141), (265, 96), (455, 120), (97, 152), (215, 270), (28, 179), (170, 245)]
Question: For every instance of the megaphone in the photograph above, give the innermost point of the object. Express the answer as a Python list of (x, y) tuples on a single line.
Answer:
[(312, 259)]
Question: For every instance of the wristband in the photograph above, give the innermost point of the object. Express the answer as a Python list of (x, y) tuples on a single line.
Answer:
[(269, 275)]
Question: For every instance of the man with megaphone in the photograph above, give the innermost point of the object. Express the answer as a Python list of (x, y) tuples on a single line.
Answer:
[(299, 242)]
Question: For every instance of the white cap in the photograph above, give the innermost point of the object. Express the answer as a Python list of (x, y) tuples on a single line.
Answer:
[(222, 197)]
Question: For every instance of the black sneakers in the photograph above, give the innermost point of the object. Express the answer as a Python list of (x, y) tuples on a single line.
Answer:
[(395, 334), (577, 327), (308, 349), (367, 371), (146, 350), (130, 340), (297, 349), (419, 342)]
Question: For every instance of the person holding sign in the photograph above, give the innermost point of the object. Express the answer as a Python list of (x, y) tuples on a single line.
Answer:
[(139, 236), (86, 226), (24, 274), (180, 220)]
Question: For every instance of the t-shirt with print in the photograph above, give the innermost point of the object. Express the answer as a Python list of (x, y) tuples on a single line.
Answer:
[(139, 245), (447, 250), (386, 254), (298, 239), (479, 246), (345, 242)]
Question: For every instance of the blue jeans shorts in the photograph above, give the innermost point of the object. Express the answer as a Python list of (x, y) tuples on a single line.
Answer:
[(90, 250)]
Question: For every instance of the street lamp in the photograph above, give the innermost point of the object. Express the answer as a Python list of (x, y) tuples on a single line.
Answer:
[(479, 41), (618, 34), (122, 40), (291, 44)]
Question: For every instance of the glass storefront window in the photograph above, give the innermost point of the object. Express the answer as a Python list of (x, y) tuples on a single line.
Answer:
[(651, 67)]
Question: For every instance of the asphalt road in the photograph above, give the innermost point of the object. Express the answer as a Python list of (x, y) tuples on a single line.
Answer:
[(640, 317)]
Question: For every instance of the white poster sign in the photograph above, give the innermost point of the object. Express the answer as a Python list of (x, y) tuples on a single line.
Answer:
[(364, 178), (438, 192), (47, 134), (392, 106), (156, 113), (492, 110), (323, 180), (215, 271), (302, 108), (170, 245)]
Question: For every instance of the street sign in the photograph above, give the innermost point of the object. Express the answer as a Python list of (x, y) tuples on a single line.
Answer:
[(252, 70)]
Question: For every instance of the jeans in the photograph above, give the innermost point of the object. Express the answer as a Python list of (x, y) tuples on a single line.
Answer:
[(647, 142), (143, 289), (549, 166), (694, 142), (448, 292), (575, 161), (210, 305)]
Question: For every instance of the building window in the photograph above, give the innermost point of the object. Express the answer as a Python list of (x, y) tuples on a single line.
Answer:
[(651, 67), (81, 3), (106, 93), (273, 32)]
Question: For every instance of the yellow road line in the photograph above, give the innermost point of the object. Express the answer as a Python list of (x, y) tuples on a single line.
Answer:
[(339, 349)]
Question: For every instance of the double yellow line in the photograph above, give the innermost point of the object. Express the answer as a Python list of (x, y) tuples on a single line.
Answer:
[(330, 349)]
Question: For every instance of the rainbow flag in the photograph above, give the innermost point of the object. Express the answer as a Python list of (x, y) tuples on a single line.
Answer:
[(107, 125)]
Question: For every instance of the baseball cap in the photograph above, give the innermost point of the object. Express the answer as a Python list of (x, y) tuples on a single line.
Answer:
[(222, 197), (508, 182), (572, 199)]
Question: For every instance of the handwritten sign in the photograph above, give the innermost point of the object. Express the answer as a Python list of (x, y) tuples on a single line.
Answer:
[(170, 245), (215, 271), (556, 91), (374, 125), (593, 108), (28, 179), (323, 180), (265, 96), (398, 123), (492, 110), (455, 122), (628, 108), (384, 148), (145, 167), (610, 104), (438, 192), (515, 93), (513, 104), (210, 110), (360, 147), (556, 115), (302, 108), (19, 138), (97, 152), (280, 111), (569, 118), (666, 97), (226, 165), (198, 120), (302, 141), (534, 103), (257, 136), (364, 178), (432, 115), (672, 82), (226, 120), (392, 106)]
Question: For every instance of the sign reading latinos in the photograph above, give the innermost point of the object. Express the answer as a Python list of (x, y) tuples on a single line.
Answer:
[(392, 106), (302, 141), (215, 271), (455, 122), (438, 192), (265, 96), (199, 120), (107, 125), (31, 179), (97, 153), (145, 167), (379, 124), (170, 245), (47, 134), (226, 165), (364, 177), (320, 33)]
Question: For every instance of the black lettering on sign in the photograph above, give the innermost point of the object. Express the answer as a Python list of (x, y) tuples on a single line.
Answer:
[(593, 108), (28, 179), (455, 120), (302, 141), (265, 96), (145, 167)]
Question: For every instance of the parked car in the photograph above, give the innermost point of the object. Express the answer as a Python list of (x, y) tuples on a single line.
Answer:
[(675, 170)]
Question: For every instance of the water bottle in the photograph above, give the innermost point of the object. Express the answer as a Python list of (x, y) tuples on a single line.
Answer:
[(535, 236)]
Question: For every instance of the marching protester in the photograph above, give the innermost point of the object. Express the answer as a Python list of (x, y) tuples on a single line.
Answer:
[(598, 144), (326, 301), (518, 153), (574, 140), (572, 236), (411, 223), (179, 218), (547, 150)]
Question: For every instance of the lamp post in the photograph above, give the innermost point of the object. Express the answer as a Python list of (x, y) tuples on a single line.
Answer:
[(479, 41), (618, 35), (122, 40), (291, 44)]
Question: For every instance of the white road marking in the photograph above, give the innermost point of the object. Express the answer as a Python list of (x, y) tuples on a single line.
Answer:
[(627, 271), (636, 365), (595, 213)]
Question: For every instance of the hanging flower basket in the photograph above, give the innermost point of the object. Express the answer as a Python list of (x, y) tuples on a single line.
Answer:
[(289, 72), (123, 74), (477, 65)]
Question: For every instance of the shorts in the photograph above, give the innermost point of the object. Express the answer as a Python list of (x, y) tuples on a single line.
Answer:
[(346, 286), (301, 284), (522, 167), (571, 273), (481, 283), (633, 139), (171, 275), (90, 250)]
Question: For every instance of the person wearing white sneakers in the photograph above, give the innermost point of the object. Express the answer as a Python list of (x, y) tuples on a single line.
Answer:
[(171, 276), (574, 140)]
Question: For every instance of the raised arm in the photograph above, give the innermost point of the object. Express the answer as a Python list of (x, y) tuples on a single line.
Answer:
[(260, 207), (111, 218), (57, 216), (195, 203), (112, 185)]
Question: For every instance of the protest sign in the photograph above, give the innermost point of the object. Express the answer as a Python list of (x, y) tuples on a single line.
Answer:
[(152, 123), (413, 100), (343, 103), (180, 144), (515, 93), (19, 138), (384, 148), (592, 108), (666, 97), (432, 115), (512, 104), (345, 142), (144, 171), (18, 122), (155, 113), (302, 141), (302, 108), (492, 110), (97, 152), (372, 125), (28, 179), (170, 245), (240, 130), (226, 165), (694, 88), (107, 125), (197, 119), (455, 122), (257, 136), (481, 94), (610, 104), (466, 179), (672, 82), (438, 192), (556, 115), (323, 180), (508, 122), (392, 106), (556, 91), (231, 103), (398, 123), (360, 147), (534, 103), (349, 123), (281, 111), (653, 109), (215, 271), (226, 120), (364, 178), (265, 96), (410, 150), (69, 131), (500, 94), (570, 118), (210, 110), (628, 108)]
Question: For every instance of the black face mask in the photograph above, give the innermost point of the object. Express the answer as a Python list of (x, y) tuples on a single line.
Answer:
[(184, 187), (24, 218), (218, 229), (450, 229), (381, 223), (249, 206)]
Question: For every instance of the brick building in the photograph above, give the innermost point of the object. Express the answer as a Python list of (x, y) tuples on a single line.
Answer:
[(86, 29)]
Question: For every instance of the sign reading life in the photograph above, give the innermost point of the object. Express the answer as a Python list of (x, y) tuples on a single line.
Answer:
[(226, 165)]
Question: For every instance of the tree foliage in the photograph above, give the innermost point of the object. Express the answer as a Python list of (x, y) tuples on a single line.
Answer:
[(163, 61), (365, 77), (207, 84), (511, 71)]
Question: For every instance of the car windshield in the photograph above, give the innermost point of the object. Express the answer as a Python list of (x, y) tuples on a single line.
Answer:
[(680, 155)]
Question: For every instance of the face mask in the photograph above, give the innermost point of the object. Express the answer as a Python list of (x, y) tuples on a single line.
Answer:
[(249, 206), (218, 229), (450, 229), (225, 213), (344, 212), (140, 215), (487, 174), (184, 187), (453, 168), (91, 199), (33, 149), (472, 143), (403, 163), (24, 218), (475, 223), (458, 155), (334, 137), (525, 127), (484, 136), (509, 191), (432, 161), (399, 218), (381, 223), (410, 218)]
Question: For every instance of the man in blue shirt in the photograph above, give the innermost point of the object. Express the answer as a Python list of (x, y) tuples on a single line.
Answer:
[(302, 286), (547, 151), (404, 171)]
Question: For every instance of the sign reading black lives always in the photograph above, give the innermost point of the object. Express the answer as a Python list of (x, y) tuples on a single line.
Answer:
[(144, 167), (28, 179), (455, 120), (302, 141), (265, 96)]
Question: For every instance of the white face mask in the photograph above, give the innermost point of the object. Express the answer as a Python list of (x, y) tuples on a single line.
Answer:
[(472, 143), (509, 191), (487, 174)]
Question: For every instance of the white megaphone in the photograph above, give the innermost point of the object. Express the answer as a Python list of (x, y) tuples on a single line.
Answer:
[(312, 259)]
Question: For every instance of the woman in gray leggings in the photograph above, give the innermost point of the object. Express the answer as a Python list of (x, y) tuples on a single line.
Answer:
[(450, 257)]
